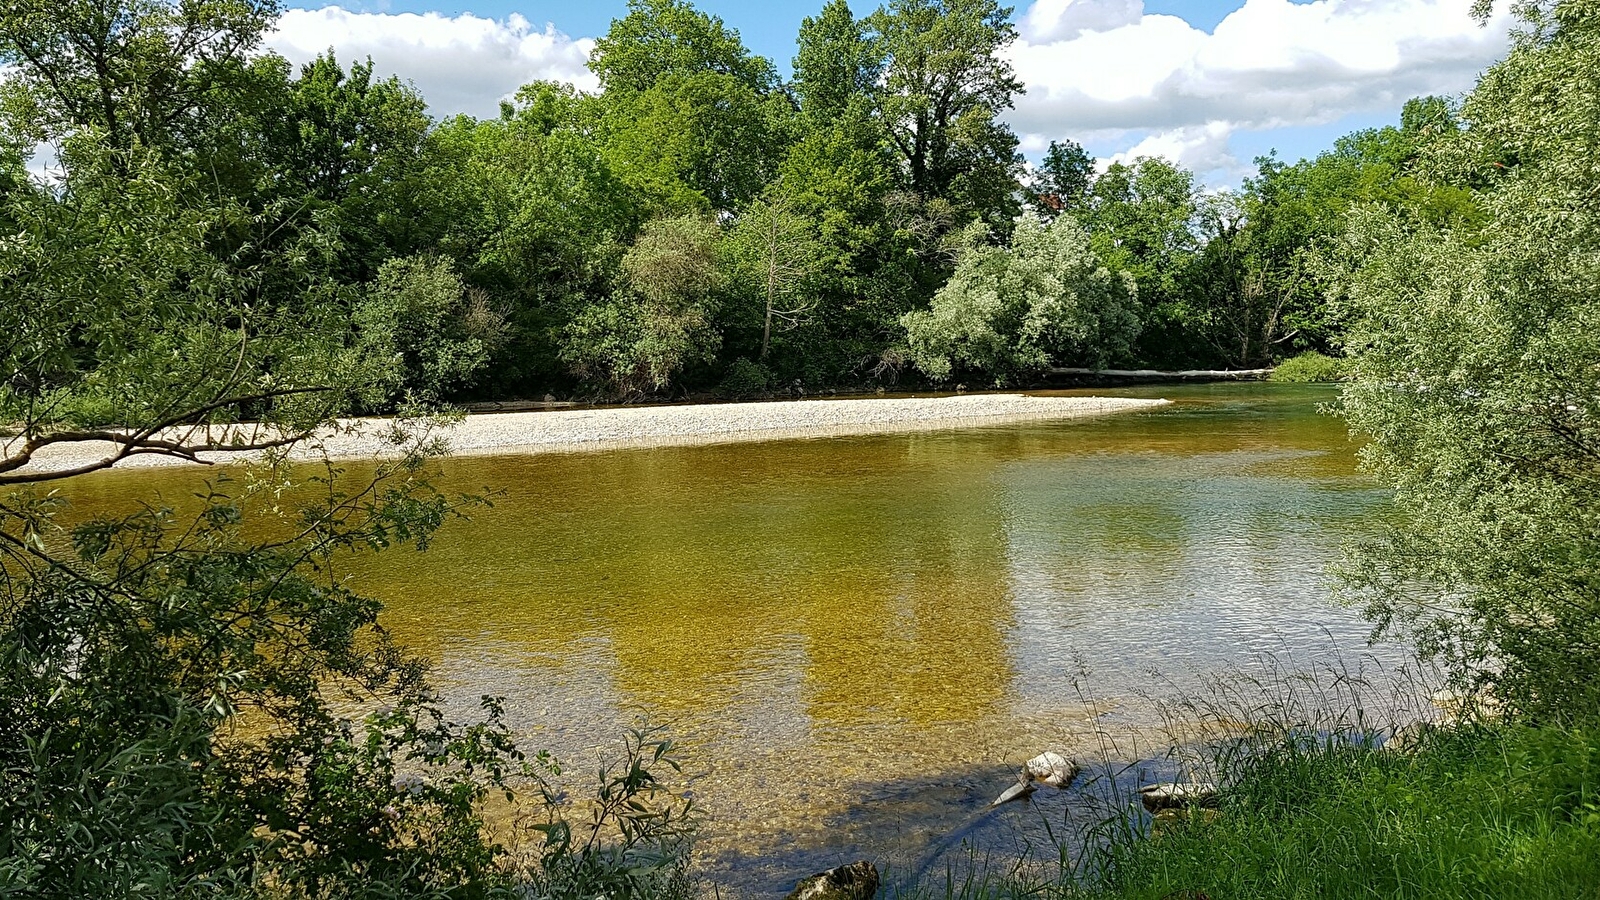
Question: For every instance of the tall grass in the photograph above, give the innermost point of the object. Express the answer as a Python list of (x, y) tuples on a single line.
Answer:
[(1470, 811), (1338, 782)]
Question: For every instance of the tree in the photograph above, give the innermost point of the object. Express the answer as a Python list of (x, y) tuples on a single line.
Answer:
[(132, 649), (945, 84), (776, 257), (700, 141), (837, 63), (1475, 354), (658, 38), (426, 334), (1139, 218), (1061, 183), (350, 147), (638, 339), (139, 72), (1009, 314), (536, 218)]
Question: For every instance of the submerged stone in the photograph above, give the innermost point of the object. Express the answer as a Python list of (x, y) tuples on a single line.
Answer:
[(1178, 795), (1168, 821), (1049, 768), (857, 881)]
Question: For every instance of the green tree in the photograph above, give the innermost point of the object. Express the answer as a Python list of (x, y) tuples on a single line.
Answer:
[(841, 179), (837, 63), (139, 72), (536, 218), (1061, 183), (1474, 353), (350, 149), (945, 84), (640, 338), (658, 38), (426, 334), (1140, 219), (775, 258), (1009, 314), (134, 649), (696, 141)]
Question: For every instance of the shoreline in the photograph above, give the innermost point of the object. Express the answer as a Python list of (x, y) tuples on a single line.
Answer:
[(596, 430)]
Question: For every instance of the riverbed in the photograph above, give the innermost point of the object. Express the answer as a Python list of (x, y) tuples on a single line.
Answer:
[(858, 638)]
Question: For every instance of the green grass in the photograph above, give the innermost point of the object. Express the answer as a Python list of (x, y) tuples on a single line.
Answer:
[(1310, 367), (1479, 812)]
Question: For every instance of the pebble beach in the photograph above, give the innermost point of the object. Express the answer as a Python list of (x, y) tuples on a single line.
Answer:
[(581, 430)]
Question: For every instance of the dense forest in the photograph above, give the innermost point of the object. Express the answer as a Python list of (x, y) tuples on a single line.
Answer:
[(199, 704), (699, 224)]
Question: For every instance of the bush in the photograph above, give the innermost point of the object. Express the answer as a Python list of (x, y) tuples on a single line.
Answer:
[(423, 332), (745, 379), (1310, 367), (1009, 314)]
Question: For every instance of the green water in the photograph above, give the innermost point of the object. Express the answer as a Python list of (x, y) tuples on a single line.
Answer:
[(857, 638)]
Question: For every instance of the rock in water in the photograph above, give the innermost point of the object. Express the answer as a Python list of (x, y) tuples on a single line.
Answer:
[(857, 881), (1047, 768), (1050, 768), (1178, 795)]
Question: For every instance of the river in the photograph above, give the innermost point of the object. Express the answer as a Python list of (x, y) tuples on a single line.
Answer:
[(857, 640)]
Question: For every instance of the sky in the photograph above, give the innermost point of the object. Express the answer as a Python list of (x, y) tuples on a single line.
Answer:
[(1212, 84)]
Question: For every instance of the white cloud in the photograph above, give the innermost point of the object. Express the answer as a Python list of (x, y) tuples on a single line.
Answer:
[(461, 64), (1202, 148), (1269, 64), (1053, 20)]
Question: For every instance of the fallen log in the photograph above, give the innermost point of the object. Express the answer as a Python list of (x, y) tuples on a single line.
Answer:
[(1156, 375)]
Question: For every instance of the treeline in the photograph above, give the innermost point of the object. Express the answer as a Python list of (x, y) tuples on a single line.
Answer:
[(698, 224)]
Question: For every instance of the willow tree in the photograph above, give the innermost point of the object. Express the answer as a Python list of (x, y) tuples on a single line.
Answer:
[(1476, 355), (1008, 314)]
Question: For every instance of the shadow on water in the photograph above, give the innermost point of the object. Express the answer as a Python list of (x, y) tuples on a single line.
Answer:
[(937, 831)]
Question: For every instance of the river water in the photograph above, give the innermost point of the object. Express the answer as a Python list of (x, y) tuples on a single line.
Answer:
[(857, 640)]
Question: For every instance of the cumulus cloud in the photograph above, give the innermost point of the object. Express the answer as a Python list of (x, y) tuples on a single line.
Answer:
[(1103, 66), (461, 64), (1054, 20)]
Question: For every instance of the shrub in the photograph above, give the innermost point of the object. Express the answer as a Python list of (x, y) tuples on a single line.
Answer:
[(745, 379), (1310, 367), (1011, 313)]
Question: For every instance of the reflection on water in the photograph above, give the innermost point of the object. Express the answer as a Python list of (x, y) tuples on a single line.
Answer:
[(857, 638)]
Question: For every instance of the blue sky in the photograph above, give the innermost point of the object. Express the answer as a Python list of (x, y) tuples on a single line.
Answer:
[(1211, 83)]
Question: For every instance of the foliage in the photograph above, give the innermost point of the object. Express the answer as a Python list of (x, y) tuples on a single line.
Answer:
[(638, 340), (773, 255), (745, 379), (1310, 367), (1010, 314), (660, 38), (946, 82), (837, 63), (696, 141), (425, 332), (1062, 181), (137, 72), (634, 845), (1473, 354)]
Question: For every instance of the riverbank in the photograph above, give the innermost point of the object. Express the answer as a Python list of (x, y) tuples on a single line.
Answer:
[(580, 430)]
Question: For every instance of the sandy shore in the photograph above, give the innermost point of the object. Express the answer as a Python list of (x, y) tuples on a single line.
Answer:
[(577, 430)]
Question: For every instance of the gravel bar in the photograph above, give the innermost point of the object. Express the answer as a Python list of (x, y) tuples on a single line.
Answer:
[(579, 430)]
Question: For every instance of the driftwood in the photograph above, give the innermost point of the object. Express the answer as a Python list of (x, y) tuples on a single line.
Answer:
[(1154, 375)]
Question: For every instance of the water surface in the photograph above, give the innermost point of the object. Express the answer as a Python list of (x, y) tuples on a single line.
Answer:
[(857, 638)]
